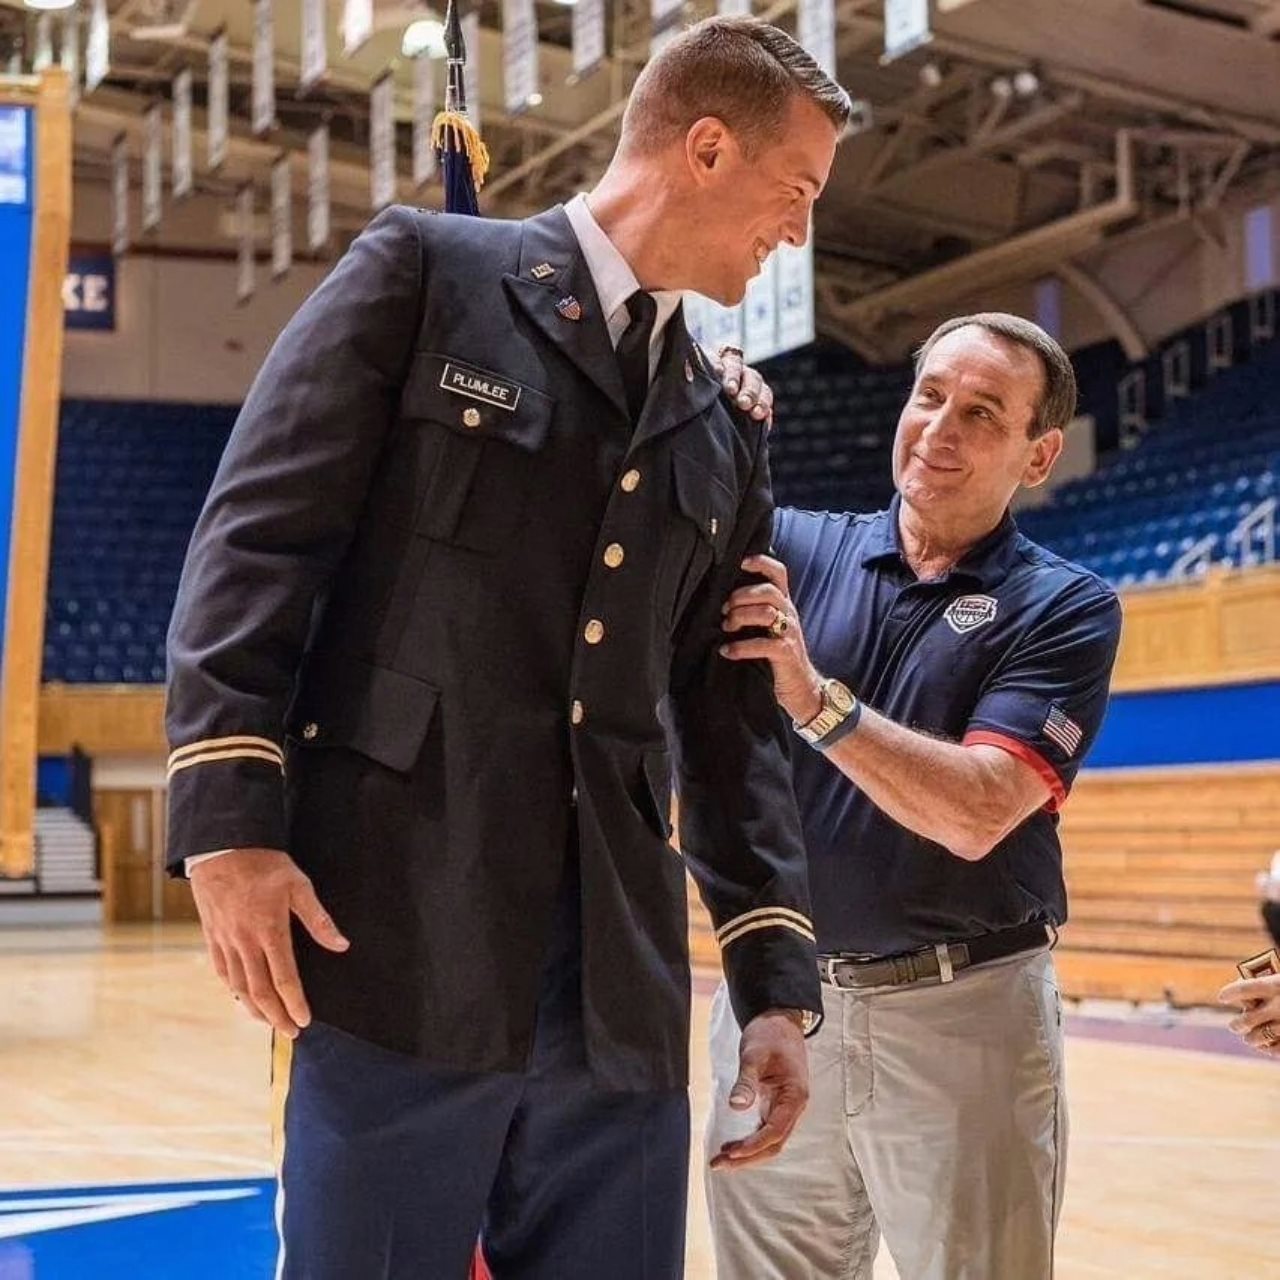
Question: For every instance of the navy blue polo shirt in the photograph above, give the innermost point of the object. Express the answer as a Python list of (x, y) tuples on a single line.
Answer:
[(1013, 647)]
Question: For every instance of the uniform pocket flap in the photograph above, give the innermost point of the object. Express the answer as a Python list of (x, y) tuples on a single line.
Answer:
[(704, 500), (381, 713), (476, 402)]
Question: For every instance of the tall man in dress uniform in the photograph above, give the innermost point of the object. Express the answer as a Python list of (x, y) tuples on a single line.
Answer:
[(463, 560)]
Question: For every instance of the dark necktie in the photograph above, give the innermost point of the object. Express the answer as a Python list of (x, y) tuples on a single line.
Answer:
[(633, 350)]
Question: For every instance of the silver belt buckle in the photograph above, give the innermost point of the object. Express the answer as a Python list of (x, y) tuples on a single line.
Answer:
[(945, 971), (829, 968)]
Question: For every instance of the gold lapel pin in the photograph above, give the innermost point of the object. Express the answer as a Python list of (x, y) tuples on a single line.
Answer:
[(542, 271)]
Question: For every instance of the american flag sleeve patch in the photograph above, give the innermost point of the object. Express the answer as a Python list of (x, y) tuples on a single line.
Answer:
[(1061, 729)]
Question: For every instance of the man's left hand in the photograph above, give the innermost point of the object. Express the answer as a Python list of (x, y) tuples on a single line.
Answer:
[(773, 1069), (744, 385), (796, 683)]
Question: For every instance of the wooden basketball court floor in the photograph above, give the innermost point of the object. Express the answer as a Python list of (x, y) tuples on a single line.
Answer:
[(123, 1062)]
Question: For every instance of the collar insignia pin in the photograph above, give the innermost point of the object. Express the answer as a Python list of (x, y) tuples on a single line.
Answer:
[(542, 271), (569, 308)]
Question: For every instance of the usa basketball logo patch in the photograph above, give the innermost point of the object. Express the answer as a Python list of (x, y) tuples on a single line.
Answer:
[(968, 613)]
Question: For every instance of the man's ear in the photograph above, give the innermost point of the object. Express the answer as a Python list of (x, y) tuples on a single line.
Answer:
[(1046, 450), (708, 146)]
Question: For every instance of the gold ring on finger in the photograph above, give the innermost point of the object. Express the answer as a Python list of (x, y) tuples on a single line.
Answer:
[(780, 625)]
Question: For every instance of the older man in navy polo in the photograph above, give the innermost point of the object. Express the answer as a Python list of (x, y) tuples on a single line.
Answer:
[(948, 676)]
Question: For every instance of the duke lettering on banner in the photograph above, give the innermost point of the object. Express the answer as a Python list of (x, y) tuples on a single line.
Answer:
[(281, 218), (244, 232), (588, 36), (318, 189), (152, 131), (382, 145), (217, 100), (424, 113), (906, 27), (97, 51), (264, 75), (357, 24), (315, 52), (120, 195), (519, 54), (182, 181), (816, 32)]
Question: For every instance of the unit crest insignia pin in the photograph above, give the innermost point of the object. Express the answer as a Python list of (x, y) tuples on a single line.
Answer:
[(542, 271), (569, 308)]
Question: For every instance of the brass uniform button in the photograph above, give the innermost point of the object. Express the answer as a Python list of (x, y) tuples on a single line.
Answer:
[(310, 729), (631, 481), (614, 555), (594, 632), (578, 712), (471, 417)]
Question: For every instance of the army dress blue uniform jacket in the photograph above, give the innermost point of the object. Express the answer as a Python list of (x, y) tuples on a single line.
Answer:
[(439, 588)]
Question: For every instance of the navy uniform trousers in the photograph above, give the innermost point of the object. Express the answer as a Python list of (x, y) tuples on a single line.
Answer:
[(392, 1170)]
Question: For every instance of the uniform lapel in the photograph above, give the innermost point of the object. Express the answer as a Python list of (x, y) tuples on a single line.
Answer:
[(553, 274), (684, 388)]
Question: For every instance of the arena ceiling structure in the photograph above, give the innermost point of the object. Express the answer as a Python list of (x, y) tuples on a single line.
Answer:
[(1024, 139)]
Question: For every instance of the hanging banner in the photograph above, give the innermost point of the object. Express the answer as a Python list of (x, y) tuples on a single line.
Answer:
[(69, 53), (120, 195), (314, 51), (217, 129), (906, 27), (152, 133), (519, 55), (382, 145), (89, 291), (264, 74), (733, 8), (244, 234), (760, 313), (471, 72), (588, 36), (816, 32), (182, 134), (43, 55), (424, 111), (796, 322), (357, 24), (97, 51), (318, 189), (281, 218)]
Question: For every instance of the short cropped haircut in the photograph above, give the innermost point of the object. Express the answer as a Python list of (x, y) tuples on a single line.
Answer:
[(740, 70), (1057, 405)]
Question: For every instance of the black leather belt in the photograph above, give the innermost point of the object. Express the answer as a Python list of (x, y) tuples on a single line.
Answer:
[(939, 962)]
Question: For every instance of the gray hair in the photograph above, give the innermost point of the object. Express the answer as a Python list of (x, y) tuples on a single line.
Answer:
[(1057, 403)]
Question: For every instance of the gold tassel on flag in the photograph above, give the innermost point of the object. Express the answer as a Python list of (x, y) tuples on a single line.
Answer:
[(465, 138)]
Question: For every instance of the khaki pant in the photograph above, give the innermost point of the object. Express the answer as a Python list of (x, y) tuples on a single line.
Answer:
[(936, 1116)]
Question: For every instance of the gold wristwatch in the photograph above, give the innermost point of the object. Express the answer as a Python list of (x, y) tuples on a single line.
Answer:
[(837, 705)]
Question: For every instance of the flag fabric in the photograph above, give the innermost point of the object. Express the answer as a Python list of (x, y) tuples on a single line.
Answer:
[(464, 159)]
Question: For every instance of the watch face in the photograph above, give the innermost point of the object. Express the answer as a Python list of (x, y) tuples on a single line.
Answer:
[(840, 697)]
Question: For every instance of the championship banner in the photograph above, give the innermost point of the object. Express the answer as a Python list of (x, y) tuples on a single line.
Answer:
[(357, 24), (318, 189), (264, 75), (795, 307), (424, 114), (734, 8), (519, 54), (244, 233), (182, 180), (712, 325), (314, 51), (97, 52), (382, 145), (906, 27), (816, 32), (471, 72), (217, 127), (69, 53), (152, 133), (281, 218), (760, 313), (120, 195), (588, 36), (43, 55)]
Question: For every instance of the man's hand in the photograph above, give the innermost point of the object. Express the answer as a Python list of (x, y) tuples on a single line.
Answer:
[(1259, 1021), (744, 385), (245, 898), (796, 683), (773, 1068)]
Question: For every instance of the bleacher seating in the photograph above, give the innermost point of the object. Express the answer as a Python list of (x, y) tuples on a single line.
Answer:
[(131, 478)]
